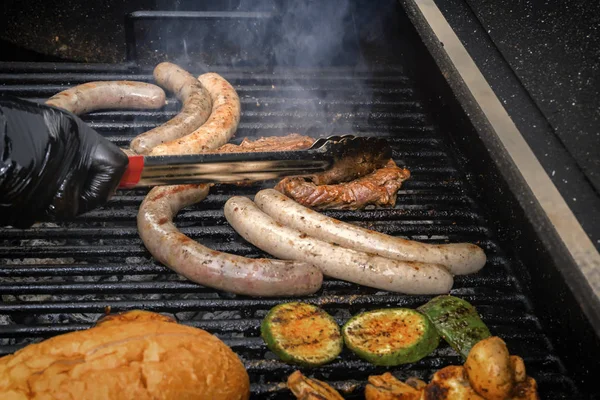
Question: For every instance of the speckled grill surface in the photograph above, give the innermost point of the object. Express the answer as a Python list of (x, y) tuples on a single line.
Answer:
[(56, 278)]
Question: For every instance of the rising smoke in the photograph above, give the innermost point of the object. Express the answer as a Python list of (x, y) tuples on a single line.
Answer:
[(294, 42)]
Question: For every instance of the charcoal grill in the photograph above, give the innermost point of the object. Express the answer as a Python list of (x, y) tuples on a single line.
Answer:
[(57, 278)]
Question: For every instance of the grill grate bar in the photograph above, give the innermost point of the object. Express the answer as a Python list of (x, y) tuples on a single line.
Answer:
[(506, 299), (149, 287), (76, 78), (251, 326)]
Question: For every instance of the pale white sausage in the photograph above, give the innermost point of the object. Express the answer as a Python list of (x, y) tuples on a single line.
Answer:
[(103, 95), (362, 268), (459, 258), (228, 272)]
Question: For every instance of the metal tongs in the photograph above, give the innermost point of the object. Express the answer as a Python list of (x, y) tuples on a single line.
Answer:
[(323, 155)]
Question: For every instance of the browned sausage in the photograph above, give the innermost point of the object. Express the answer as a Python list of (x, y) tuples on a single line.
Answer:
[(231, 273), (220, 126), (197, 106), (101, 95)]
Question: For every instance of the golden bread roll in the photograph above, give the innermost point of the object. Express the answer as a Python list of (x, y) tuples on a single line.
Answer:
[(136, 355)]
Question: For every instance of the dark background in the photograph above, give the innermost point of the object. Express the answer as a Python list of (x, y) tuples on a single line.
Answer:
[(543, 61)]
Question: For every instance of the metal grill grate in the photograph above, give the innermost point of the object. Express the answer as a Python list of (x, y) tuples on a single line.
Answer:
[(57, 278)]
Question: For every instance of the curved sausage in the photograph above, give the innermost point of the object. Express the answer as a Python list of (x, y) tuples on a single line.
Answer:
[(362, 268), (102, 95), (220, 126), (459, 258), (197, 106), (235, 274)]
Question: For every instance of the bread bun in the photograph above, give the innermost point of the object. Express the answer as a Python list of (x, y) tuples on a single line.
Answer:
[(136, 355)]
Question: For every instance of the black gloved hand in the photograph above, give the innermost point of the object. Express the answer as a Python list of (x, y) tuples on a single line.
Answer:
[(52, 165)]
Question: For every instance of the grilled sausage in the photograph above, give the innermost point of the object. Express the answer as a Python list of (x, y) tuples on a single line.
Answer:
[(235, 274), (362, 268), (101, 95), (220, 126), (459, 258), (197, 106)]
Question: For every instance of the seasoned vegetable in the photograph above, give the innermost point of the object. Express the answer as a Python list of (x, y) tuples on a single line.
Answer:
[(489, 373), (302, 334), (311, 389), (456, 321), (390, 337), (490, 369), (451, 382), (387, 387)]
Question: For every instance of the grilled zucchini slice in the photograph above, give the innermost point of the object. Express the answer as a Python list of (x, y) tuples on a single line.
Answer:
[(390, 337), (457, 321), (302, 334)]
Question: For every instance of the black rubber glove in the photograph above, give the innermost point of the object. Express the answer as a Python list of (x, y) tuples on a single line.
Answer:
[(52, 165)]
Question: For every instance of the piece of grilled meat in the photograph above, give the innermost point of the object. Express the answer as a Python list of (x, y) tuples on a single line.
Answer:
[(292, 141), (378, 188), (387, 387), (353, 183), (490, 373), (311, 389)]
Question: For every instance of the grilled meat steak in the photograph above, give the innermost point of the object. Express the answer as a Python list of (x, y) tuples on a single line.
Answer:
[(292, 141), (353, 183), (377, 188)]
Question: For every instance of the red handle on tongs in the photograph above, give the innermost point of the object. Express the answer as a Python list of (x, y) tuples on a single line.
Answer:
[(133, 173)]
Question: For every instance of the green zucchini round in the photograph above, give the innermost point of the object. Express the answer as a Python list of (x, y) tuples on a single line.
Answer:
[(390, 337), (302, 334)]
